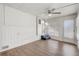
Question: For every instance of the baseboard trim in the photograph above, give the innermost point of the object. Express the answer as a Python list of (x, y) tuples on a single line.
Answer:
[(65, 42), (18, 45)]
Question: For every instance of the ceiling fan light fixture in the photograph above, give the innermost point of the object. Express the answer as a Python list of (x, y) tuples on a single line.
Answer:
[(49, 14)]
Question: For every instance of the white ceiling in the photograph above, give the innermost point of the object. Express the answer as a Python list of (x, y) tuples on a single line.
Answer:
[(40, 8)]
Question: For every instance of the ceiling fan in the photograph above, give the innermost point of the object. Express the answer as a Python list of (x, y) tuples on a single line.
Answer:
[(52, 11)]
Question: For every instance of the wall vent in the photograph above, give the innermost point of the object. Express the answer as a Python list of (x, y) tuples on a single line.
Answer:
[(5, 47)]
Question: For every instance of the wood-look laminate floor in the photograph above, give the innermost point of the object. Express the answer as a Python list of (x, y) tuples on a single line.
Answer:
[(43, 48)]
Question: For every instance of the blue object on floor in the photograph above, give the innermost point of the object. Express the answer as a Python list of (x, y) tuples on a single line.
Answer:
[(45, 36)]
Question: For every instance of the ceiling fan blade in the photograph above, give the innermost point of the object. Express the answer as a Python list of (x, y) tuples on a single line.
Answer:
[(56, 12), (53, 9)]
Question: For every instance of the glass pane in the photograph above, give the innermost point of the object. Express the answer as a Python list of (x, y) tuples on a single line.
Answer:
[(69, 29)]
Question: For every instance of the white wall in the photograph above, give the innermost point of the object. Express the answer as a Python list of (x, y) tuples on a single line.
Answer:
[(77, 24), (57, 27), (1, 23), (19, 28)]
